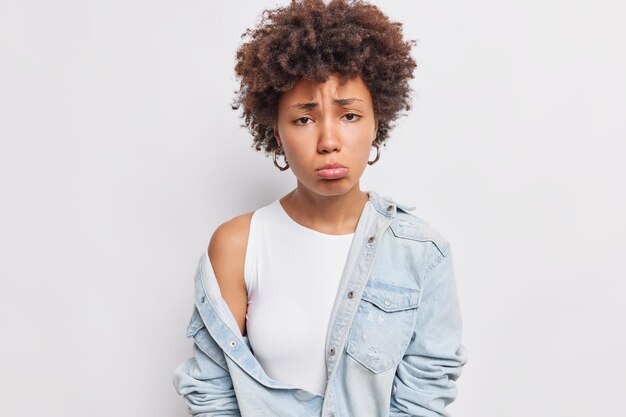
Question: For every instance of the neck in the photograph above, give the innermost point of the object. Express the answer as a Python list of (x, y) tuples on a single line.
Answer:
[(332, 214)]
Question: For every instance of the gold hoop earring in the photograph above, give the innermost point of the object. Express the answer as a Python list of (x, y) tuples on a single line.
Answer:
[(276, 162), (377, 153)]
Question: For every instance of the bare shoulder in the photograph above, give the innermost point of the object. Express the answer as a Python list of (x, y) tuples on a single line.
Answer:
[(227, 252), (230, 236), (227, 247)]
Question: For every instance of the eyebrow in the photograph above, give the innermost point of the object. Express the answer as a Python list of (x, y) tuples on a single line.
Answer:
[(337, 102)]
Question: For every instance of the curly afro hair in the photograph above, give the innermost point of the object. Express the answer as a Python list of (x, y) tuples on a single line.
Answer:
[(310, 39)]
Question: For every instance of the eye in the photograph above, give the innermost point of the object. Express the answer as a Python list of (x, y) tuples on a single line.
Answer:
[(304, 118), (354, 117)]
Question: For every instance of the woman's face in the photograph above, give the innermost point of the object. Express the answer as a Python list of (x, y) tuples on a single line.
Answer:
[(327, 123)]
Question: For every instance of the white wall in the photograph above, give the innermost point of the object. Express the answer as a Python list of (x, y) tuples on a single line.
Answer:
[(119, 155)]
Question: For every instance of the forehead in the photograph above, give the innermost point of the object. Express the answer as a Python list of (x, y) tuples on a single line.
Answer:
[(353, 87)]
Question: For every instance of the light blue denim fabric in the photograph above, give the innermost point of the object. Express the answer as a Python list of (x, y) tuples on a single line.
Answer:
[(393, 346)]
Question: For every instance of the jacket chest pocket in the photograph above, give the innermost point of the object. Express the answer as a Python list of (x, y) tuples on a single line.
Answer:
[(383, 325)]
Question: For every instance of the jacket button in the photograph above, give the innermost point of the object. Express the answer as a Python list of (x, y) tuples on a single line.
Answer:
[(371, 239), (202, 299), (350, 294), (232, 343), (387, 302), (390, 207), (332, 351)]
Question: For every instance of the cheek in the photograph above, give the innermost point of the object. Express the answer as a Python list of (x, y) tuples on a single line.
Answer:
[(362, 143), (364, 150), (301, 143)]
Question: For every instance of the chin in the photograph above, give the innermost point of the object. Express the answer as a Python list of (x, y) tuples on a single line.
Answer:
[(333, 187)]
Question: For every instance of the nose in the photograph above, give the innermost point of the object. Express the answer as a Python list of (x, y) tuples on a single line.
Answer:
[(329, 140)]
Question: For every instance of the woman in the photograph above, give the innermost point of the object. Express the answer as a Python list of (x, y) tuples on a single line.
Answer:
[(330, 300)]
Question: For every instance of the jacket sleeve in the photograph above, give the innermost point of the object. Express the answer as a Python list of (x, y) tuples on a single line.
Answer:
[(425, 380), (203, 379)]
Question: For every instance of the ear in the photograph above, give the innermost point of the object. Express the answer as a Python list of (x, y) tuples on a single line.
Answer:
[(275, 131), (376, 129)]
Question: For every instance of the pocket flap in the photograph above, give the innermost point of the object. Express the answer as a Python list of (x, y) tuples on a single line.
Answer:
[(389, 297)]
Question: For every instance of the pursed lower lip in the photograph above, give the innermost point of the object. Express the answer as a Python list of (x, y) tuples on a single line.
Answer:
[(332, 173)]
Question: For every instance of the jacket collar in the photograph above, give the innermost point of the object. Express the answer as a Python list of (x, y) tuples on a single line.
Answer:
[(386, 205)]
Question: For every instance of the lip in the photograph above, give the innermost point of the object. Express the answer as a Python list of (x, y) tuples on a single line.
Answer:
[(332, 166), (332, 171)]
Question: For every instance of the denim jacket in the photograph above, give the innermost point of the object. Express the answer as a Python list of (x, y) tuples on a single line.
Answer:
[(393, 345)]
